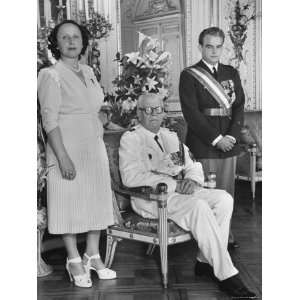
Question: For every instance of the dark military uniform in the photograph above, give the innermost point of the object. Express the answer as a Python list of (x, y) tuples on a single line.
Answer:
[(203, 129)]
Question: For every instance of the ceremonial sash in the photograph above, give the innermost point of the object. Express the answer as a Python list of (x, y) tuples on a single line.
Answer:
[(212, 85)]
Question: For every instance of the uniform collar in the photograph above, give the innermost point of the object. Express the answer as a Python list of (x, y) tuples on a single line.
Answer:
[(150, 133), (211, 66)]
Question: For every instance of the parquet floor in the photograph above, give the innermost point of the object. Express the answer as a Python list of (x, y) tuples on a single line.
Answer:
[(139, 274)]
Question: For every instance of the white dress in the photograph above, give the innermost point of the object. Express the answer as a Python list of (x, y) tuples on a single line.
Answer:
[(85, 203)]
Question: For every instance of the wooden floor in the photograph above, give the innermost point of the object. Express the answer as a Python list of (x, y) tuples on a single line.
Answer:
[(139, 274)]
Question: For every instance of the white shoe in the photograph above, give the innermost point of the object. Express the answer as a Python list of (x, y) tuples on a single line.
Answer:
[(81, 280), (102, 273)]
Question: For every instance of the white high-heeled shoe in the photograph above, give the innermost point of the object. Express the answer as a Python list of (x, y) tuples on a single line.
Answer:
[(81, 280), (102, 273)]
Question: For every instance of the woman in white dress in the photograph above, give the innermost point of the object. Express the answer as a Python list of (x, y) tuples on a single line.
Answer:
[(78, 192)]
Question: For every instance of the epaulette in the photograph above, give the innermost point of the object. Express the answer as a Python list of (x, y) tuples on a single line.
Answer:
[(165, 129), (172, 129)]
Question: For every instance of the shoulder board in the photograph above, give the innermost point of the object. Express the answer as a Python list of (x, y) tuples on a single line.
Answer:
[(171, 131), (164, 129), (187, 68), (229, 67)]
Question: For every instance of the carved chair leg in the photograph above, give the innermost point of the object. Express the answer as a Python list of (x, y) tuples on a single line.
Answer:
[(163, 243), (111, 243), (151, 248)]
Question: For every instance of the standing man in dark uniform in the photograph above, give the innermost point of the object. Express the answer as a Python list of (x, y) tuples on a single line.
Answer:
[(212, 101)]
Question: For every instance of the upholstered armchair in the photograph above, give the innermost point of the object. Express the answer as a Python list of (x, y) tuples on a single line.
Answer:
[(128, 225)]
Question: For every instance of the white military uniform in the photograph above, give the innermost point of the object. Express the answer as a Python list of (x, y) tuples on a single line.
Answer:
[(206, 213)]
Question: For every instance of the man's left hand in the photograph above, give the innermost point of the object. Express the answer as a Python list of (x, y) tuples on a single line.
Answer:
[(187, 186), (225, 144)]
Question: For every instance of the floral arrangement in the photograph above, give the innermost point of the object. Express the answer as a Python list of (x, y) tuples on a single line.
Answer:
[(99, 28), (42, 170), (239, 19), (143, 71), (41, 163), (44, 59)]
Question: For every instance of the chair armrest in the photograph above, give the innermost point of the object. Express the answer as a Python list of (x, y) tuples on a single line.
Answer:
[(245, 147), (141, 189), (144, 192), (252, 149)]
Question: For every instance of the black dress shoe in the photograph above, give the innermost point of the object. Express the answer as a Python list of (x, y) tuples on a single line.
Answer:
[(233, 245), (204, 269), (236, 288)]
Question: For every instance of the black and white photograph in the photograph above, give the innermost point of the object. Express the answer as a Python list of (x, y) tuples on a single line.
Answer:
[(149, 144), (137, 164)]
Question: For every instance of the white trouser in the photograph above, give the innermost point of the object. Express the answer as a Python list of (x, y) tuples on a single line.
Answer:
[(206, 213)]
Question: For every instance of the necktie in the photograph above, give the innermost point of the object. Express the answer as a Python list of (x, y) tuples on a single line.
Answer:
[(215, 74), (158, 143)]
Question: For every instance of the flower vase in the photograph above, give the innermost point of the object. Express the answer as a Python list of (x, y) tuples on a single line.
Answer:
[(42, 268)]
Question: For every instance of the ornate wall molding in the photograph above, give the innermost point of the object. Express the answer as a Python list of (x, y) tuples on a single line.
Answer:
[(258, 87), (118, 30), (38, 14), (73, 10), (198, 15), (188, 31), (146, 9), (201, 14), (250, 67)]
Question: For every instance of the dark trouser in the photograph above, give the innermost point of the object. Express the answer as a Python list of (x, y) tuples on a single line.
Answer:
[(225, 169)]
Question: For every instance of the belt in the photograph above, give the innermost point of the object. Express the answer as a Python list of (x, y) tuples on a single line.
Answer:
[(217, 112)]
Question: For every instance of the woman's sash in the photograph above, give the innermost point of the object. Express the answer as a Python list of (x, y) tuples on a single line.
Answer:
[(212, 85)]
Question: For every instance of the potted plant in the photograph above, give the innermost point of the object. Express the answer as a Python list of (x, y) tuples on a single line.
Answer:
[(99, 28), (42, 169)]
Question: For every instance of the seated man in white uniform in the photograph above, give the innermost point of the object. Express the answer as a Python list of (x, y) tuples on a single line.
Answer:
[(145, 160)]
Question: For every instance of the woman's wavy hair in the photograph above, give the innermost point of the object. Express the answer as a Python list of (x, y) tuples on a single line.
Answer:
[(52, 38)]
